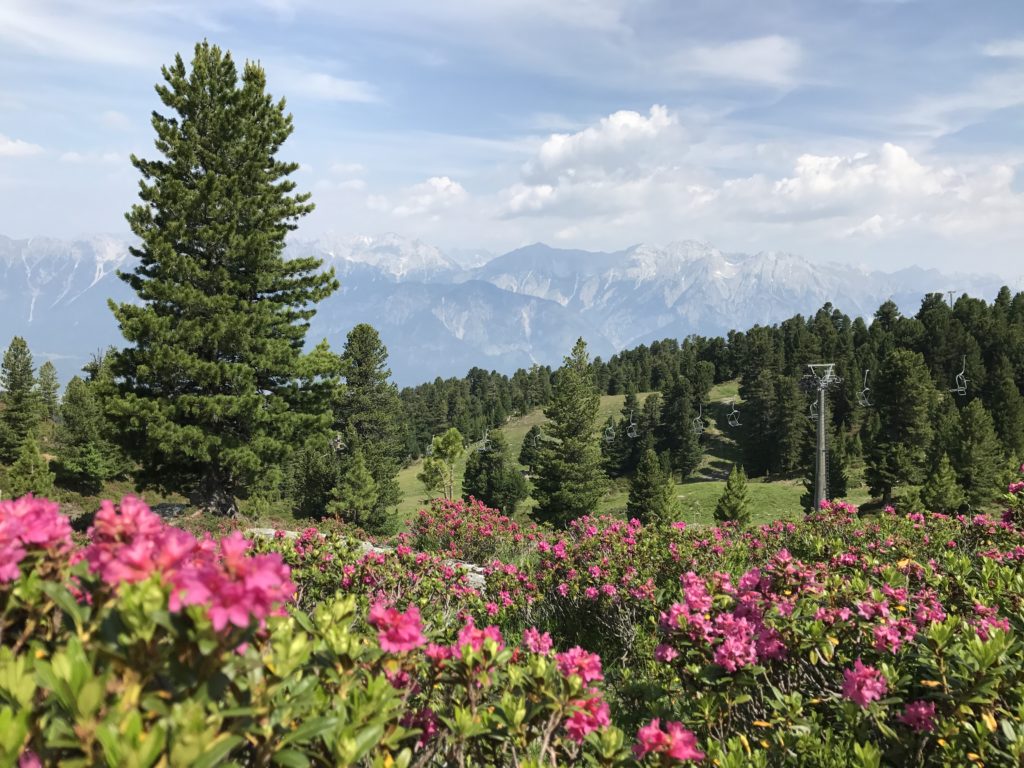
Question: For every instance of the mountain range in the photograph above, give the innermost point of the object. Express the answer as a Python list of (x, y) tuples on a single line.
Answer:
[(441, 313)]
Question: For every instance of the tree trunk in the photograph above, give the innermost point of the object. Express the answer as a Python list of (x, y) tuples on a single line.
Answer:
[(213, 495)]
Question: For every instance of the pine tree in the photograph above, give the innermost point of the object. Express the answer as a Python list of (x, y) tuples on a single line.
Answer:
[(49, 389), (1007, 406), (651, 492), (903, 399), (438, 472), (311, 474), (529, 454), (354, 499), (85, 458), (370, 411), (734, 504), (19, 403), (214, 389), (941, 492), (674, 435), (977, 455), (760, 422), (492, 478), (30, 472), (570, 480)]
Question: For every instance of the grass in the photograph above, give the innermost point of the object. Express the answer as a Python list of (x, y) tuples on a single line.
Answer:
[(779, 499)]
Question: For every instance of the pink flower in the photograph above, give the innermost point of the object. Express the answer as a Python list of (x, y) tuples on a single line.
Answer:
[(591, 714), (30, 523), (397, 632), (576, 661), (863, 685), (29, 759), (473, 637), (919, 715), (665, 653), (675, 742), (535, 642)]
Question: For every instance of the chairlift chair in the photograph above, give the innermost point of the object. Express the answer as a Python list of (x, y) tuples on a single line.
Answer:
[(960, 380), (733, 417), (633, 430), (485, 443), (862, 397), (698, 422), (609, 434)]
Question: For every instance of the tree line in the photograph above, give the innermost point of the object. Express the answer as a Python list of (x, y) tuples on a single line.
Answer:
[(217, 395)]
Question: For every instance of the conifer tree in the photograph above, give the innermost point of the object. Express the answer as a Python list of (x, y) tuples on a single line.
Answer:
[(214, 388), (529, 454), (369, 411), (941, 492), (49, 389), (30, 472), (492, 478), (734, 504), (977, 455), (570, 480), (651, 492), (760, 422), (354, 499), (674, 435), (904, 396), (311, 474), (19, 402), (85, 458), (438, 472), (1007, 407)]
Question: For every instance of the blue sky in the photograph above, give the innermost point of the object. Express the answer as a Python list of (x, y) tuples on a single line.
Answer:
[(872, 132)]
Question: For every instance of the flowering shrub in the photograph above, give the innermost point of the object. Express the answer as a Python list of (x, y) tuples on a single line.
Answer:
[(841, 640), (470, 531)]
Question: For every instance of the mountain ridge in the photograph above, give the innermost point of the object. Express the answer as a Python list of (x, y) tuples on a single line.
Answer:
[(441, 315)]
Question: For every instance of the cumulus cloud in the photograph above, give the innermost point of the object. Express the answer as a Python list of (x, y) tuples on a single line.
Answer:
[(770, 60), (17, 148), (1013, 48), (430, 198), (637, 172)]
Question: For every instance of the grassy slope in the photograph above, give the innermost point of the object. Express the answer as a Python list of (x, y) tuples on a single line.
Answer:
[(771, 501)]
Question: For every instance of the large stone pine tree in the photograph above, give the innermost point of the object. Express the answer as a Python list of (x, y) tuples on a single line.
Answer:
[(214, 389)]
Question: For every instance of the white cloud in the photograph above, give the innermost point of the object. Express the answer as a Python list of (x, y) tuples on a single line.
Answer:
[(770, 60), (622, 142), (633, 176), (17, 148), (1013, 48), (93, 157), (325, 87), (430, 198)]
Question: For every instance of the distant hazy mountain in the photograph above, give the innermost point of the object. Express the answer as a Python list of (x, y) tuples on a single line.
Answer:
[(442, 313)]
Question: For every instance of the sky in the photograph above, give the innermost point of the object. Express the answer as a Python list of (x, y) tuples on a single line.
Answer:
[(881, 133)]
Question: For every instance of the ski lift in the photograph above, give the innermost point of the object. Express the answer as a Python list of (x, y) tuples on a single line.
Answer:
[(814, 410), (338, 444), (698, 422), (632, 430), (609, 434), (862, 396), (960, 380), (485, 443), (733, 417)]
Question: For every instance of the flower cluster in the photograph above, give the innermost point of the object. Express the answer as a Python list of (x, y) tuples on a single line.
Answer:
[(28, 524)]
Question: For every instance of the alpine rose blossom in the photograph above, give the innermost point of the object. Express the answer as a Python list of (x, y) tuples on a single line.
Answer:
[(675, 742), (592, 713), (919, 715), (397, 632), (577, 661), (536, 642), (863, 684), (30, 523)]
